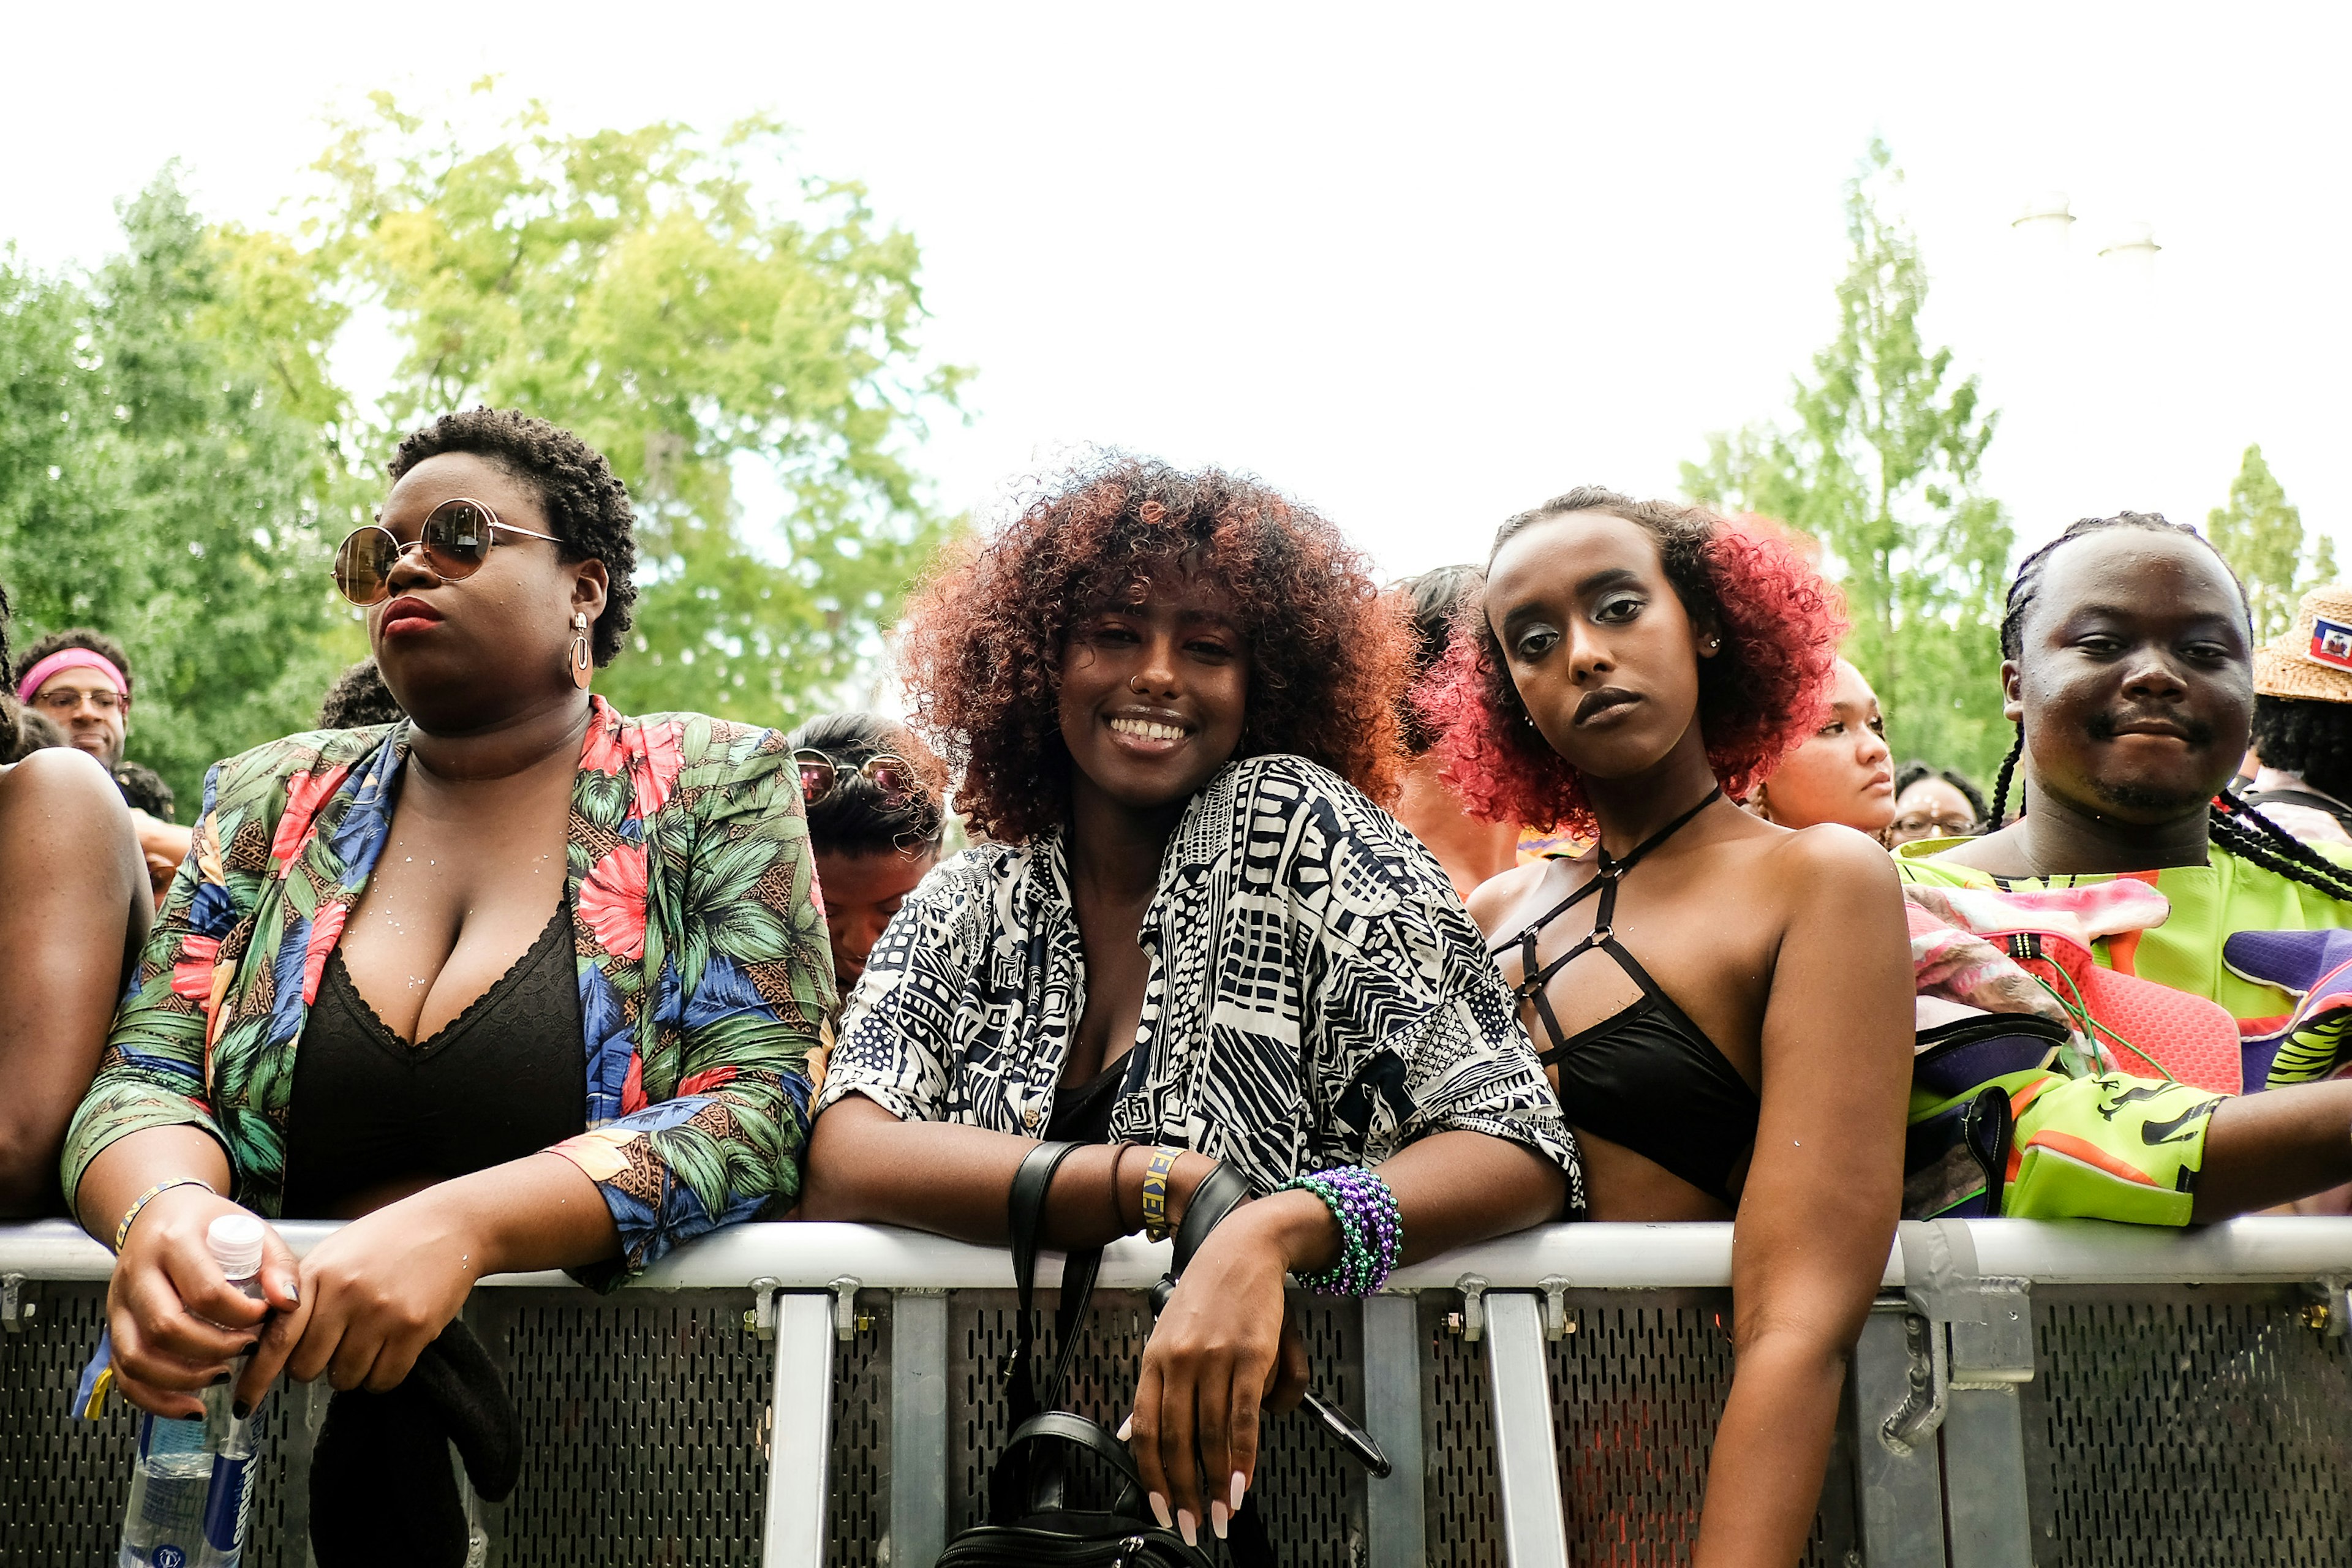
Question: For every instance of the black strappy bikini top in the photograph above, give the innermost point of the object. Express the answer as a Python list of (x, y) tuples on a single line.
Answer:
[(1645, 1077)]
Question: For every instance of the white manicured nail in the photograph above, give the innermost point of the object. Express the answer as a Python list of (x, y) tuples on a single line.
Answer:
[(1126, 1427), (1217, 1519), (1238, 1486), (1187, 1529), (1158, 1508)]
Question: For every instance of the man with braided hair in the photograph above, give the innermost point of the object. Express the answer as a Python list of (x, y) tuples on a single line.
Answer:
[(2128, 667)]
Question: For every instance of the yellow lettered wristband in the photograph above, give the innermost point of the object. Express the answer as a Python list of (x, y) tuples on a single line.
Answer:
[(122, 1231), (1155, 1192)]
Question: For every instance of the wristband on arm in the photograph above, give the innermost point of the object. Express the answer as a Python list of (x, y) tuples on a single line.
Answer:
[(122, 1231)]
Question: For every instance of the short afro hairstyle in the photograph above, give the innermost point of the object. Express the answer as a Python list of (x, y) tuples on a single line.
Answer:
[(90, 637), (2309, 738), (1758, 698), (587, 506), (981, 645)]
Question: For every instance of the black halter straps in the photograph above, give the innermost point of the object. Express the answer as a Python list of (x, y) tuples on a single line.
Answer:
[(1533, 980)]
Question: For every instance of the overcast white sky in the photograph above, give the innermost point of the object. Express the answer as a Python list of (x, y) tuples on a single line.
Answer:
[(1421, 267)]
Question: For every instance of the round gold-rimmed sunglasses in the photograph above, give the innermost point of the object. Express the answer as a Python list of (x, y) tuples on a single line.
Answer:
[(893, 776), (456, 539)]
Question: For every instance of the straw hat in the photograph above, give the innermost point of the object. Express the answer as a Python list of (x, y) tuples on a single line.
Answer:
[(2313, 661)]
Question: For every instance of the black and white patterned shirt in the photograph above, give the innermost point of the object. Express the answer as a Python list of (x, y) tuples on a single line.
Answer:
[(1317, 994)]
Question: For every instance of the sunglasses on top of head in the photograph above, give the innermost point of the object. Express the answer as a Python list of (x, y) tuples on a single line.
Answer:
[(455, 539), (894, 777)]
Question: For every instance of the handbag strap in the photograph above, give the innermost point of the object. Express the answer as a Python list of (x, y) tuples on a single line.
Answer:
[(1027, 1219)]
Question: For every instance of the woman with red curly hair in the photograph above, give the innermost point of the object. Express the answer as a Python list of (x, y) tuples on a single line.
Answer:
[(1197, 949), (1632, 666)]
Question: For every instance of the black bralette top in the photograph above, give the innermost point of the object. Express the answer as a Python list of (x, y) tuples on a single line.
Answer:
[(505, 1079), (1646, 1077)]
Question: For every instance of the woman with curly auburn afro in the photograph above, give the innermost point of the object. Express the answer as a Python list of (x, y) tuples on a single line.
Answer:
[(1630, 666), (983, 644), (1169, 694)]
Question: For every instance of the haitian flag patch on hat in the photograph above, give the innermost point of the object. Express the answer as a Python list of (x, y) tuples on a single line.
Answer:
[(2331, 644)]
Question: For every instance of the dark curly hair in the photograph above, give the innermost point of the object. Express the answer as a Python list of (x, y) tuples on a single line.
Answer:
[(587, 506), (1758, 698), (855, 817), (982, 648), (359, 700), (2313, 738)]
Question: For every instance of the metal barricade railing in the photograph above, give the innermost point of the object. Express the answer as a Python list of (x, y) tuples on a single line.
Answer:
[(805, 1396)]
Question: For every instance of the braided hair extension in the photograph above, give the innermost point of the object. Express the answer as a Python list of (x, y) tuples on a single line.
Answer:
[(2231, 821)]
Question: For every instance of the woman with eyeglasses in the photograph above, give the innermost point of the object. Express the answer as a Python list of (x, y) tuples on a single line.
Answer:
[(397, 953), (875, 820), (1195, 947), (1934, 803)]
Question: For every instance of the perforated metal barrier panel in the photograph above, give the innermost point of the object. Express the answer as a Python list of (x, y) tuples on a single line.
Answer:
[(2164, 1425), (2208, 1425)]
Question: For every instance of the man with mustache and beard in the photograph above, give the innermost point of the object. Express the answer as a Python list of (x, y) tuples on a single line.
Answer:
[(2128, 667)]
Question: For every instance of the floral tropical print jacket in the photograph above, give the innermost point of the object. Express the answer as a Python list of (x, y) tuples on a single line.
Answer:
[(705, 973)]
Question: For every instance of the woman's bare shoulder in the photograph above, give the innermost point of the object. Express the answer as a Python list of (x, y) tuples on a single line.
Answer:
[(1492, 902), (62, 778)]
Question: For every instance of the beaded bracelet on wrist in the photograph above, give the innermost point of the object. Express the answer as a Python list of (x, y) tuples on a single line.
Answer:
[(1371, 1232)]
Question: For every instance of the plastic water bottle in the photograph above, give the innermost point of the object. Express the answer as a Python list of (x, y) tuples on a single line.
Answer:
[(192, 1488)]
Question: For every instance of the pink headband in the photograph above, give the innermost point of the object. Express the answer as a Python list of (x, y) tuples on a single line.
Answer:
[(72, 658)]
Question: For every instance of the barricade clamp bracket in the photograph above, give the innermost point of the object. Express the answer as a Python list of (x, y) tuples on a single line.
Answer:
[(2332, 1313), (1470, 1323), (849, 1322), (1557, 1321), (1966, 1329), (761, 1320), (17, 1307)]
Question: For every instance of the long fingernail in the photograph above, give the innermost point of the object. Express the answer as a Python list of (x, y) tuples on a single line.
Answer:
[(293, 1288), (1160, 1512), (1186, 1528), (1217, 1519), (1239, 1485), (1126, 1427), (240, 1409)]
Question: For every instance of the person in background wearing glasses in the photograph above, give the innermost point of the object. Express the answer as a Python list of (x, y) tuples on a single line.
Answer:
[(1934, 803), (875, 818), (398, 952), (77, 912), (1195, 946), (79, 679)]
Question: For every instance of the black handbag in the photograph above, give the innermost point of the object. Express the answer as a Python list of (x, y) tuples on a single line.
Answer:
[(1029, 1520)]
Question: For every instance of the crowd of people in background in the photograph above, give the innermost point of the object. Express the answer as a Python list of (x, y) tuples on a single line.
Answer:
[(1323, 926)]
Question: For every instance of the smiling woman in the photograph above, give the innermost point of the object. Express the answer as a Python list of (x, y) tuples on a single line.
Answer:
[(1170, 694)]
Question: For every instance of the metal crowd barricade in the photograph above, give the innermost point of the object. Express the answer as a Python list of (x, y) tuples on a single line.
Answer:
[(802, 1395)]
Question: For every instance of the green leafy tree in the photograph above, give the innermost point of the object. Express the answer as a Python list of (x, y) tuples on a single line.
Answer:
[(158, 483), (2259, 534), (1881, 464), (635, 286)]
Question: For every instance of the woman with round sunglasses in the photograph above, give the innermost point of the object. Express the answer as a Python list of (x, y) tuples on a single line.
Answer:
[(1194, 947), (1726, 1006), (875, 820), (397, 953)]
